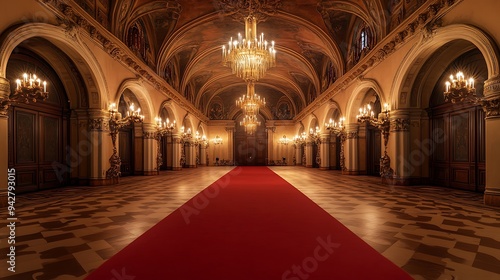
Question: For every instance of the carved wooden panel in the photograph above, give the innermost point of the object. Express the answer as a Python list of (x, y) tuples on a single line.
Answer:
[(439, 139), (460, 137), (25, 137), (458, 159), (50, 138), (461, 175), (26, 179)]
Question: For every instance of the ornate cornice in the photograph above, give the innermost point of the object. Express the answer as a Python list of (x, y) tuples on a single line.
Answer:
[(74, 20), (400, 124), (424, 21)]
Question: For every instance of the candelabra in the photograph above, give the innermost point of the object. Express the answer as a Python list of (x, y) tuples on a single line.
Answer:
[(299, 142), (458, 89), (199, 140), (284, 141), (115, 123), (28, 89), (382, 123), (338, 129), (162, 129), (315, 138), (186, 136), (217, 141)]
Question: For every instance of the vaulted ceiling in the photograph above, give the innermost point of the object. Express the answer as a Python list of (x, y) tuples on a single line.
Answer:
[(181, 40)]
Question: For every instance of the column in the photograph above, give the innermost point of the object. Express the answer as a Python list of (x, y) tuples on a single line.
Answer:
[(399, 147), (203, 155), (138, 143), (230, 143), (351, 150), (150, 150), (101, 149), (325, 151), (491, 106), (190, 150), (297, 158), (176, 152), (4, 140), (270, 129), (309, 153)]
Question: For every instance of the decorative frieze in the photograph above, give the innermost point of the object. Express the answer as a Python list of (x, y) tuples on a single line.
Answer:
[(75, 21), (425, 22)]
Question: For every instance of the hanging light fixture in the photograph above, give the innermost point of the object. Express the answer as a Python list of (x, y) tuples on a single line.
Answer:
[(249, 57), (250, 102), (250, 122), (459, 89)]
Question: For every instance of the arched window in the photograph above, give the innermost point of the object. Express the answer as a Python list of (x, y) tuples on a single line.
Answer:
[(136, 40)]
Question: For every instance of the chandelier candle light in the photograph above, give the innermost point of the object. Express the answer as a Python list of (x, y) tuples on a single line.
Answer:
[(459, 89), (250, 102), (249, 57), (28, 89)]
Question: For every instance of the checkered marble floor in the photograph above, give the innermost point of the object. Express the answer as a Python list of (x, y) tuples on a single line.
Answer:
[(431, 232)]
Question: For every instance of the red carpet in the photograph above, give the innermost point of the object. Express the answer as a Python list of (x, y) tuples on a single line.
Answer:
[(250, 224)]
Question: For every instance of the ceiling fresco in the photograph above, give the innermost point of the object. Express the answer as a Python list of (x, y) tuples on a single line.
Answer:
[(315, 41)]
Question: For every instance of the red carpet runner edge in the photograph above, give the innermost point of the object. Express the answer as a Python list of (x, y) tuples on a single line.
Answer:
[(249, 224)]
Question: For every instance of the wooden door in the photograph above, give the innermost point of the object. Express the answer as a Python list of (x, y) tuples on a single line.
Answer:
[(458, 151), (126, 151), (250, 149), (36, 148), (374, 151)]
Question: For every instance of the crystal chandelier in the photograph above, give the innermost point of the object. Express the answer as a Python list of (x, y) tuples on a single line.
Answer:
[(459, 89), (250, 102), (249, 57), (250, 122)]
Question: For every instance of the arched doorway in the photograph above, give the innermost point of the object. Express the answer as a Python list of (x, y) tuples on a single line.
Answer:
[(38, 132), (458, 131), (250, 149), (373, 137)]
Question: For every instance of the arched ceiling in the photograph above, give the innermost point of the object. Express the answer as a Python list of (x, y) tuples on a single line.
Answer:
[(313, 39)]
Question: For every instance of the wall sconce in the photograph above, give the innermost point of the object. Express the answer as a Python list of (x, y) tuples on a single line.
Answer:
[(338, 129), (383, 124), (162, 129), (116, 122), (29, 88)]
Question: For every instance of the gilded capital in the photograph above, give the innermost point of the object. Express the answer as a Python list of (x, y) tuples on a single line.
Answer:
[(400, 124), (491, 107)]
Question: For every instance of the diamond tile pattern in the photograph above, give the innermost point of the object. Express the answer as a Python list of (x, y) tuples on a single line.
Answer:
[(431, 232)]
